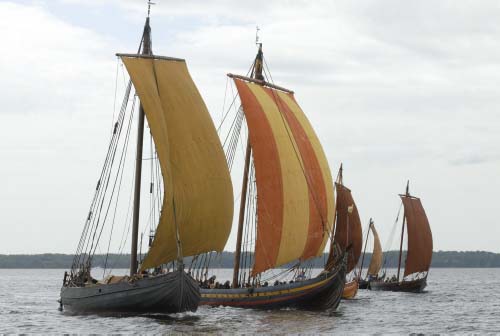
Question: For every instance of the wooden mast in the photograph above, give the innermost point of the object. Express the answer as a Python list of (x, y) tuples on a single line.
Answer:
[(241, 217), (403, 231), (146, 50), (332, 238), (256, 74), (340, 181), (334, 228), (364, 250)]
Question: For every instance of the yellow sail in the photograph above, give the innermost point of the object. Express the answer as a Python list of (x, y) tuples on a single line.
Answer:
[(376, 261), (198, 195)]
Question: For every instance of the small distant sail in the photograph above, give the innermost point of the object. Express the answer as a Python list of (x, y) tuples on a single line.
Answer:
[(294, 185), (198, 196), (376, 260), (419, 254), (348, 228)]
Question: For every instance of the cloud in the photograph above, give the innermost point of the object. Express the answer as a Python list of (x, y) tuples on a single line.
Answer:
[(395, 90), (46, 62), (57, 99), (475, 158)]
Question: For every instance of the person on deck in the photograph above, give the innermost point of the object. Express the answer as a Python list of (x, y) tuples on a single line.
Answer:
[(301, 276)]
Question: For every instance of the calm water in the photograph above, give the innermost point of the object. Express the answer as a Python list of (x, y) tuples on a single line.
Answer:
[(457, 301)]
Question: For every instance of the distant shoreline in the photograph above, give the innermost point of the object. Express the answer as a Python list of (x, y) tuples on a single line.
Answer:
[(440, 259)]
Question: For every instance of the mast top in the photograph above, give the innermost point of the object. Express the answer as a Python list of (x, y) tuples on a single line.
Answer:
[(408, 188), (259, 61), (149, 6), (147, 48), (340, 177), (257, 37)]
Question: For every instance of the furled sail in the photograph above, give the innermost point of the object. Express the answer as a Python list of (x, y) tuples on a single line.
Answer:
[(419, 254), (348, 230), (376, 260), (294, 184), (198, 197)]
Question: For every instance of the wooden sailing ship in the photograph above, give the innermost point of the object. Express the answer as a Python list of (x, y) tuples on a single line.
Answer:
[(197, 202), (419, 253), (287, 180), (375, 261), (348, 234)]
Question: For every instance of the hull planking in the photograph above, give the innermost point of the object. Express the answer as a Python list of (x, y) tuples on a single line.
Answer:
[(169, 293), (413, 286), (321, 292), (363, 284)]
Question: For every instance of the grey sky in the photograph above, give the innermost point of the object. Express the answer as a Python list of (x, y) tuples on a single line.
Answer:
[(395, 91)]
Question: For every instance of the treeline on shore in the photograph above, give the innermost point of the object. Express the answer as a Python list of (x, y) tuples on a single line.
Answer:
[(467, 259)]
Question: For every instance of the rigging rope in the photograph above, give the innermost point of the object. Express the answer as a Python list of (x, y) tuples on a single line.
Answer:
[(390, 240), (91, 251), (119, 174), (92, 221), (89, 223), (233, 137), (125, 150), (299, 157)]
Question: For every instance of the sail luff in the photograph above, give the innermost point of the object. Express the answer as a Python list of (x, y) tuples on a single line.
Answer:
[(419, 255), (197, 187)]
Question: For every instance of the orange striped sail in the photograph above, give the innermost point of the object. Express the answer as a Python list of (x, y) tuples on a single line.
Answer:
[(294, 186)]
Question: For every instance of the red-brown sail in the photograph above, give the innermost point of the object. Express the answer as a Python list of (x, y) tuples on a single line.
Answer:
[(419, 254), (348, 225)]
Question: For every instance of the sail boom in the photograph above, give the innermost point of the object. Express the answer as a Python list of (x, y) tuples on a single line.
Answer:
[(408, 196), (260, 82), (156, 57), (343, 186)]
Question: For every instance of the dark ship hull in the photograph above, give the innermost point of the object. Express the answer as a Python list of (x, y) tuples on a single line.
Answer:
[(413, 286), (363, 284), (169, 293), (321, 292)]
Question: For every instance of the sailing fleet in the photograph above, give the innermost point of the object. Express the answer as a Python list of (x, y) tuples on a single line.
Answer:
[(289, 212)]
